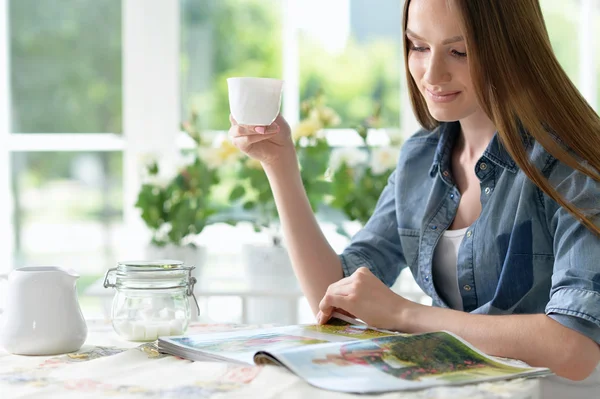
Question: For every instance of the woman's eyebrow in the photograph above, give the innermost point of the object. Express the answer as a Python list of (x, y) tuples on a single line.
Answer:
[(454, 39), (451, 40)]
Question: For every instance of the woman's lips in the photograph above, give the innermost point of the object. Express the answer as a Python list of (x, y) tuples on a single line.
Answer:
[(442, 97)]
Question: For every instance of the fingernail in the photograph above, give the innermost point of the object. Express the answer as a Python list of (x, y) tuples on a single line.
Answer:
[(319, 317), (260, 129)]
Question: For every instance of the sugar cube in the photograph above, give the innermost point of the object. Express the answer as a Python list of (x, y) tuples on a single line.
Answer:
[(166, 314), (151, 332)]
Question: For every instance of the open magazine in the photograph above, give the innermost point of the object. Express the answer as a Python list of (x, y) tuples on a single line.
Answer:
[(348, 356)]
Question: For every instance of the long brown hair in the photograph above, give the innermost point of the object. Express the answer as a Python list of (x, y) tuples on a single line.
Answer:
[(521, 85)]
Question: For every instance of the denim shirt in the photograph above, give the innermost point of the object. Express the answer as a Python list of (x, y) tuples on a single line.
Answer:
[(524, 254)]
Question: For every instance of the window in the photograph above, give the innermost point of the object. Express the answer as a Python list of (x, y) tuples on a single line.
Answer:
[(221, 39), (65, 63), (66, 90), (67, 208), (573, 28), (95, 85), (346, 49), (351, 51), (562, 19)]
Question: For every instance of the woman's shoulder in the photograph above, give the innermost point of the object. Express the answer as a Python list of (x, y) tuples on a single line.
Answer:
[(417, 154), (420, 146), (424, 136), (573, 185), (551, 167), (422, 142)]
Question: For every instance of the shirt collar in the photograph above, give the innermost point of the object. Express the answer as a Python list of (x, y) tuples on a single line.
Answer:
[(448, 131)]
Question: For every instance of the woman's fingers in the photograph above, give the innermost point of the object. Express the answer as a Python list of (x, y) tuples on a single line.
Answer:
[(241, 130), (332, 304), (325, 308), (342, 311), (332, 299), (323, 318), (340, 299), (245, 141), (245, 136)]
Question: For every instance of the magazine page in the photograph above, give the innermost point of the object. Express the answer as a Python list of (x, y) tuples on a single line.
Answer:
[(241, 346), (394, 362)]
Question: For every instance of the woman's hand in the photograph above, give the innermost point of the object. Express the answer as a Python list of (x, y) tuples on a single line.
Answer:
[(266, 144), (366, 297)]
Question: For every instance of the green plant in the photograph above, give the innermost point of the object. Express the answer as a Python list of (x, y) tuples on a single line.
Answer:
[(358, 175), (176, 202), (252, 189)]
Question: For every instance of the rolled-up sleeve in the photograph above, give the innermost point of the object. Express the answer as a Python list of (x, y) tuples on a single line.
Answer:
[(377, 245), (575, 293)]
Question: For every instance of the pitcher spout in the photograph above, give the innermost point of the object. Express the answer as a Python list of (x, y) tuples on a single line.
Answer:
[(72, 273)]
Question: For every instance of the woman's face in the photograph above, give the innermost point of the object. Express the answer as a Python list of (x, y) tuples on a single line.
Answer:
[(437, 60)]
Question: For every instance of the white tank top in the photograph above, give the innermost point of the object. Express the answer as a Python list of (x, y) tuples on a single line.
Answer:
[(444, 270)]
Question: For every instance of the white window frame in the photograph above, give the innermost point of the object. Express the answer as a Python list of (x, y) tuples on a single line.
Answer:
[(588, 75), (151, 97), (291, 64), (151, 101)]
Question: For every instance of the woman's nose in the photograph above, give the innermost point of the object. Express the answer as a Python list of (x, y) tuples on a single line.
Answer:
[(436, 71)]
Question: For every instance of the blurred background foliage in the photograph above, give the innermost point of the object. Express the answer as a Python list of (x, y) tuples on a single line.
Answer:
[(65, 67), (66, 76)]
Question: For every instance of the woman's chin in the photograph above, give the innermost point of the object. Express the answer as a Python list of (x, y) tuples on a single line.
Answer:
[(444, 115)]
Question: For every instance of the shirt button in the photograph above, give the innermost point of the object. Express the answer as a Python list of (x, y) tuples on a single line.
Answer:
[(451, 196), (427, 277), (469, 233), (446, 173), (467, 287), (488, 190), (483, 166)]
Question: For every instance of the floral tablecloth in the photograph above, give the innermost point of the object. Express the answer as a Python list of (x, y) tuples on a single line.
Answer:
[(109, 367)]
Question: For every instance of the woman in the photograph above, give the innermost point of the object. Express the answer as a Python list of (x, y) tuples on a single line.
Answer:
[(494, 205)]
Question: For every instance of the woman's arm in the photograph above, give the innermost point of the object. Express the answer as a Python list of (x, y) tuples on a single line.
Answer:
[(535, 339), (315, 263)]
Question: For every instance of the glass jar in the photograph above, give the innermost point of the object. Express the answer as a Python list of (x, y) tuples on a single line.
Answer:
[(151, 298)]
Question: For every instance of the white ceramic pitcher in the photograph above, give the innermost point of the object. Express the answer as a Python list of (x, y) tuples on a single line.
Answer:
[(42, 315)]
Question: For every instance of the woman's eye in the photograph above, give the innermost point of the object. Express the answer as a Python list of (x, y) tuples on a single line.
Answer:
[(459, 54), (417, 48)]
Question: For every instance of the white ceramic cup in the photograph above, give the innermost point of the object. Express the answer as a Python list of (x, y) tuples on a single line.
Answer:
[(254, 101)]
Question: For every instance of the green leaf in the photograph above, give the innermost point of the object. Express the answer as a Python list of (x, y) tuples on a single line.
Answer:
[(320, 186), (265, 196), (237, 193), (249, 205)]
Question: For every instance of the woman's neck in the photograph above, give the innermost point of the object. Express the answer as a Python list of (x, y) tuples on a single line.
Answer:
[(476, 133)]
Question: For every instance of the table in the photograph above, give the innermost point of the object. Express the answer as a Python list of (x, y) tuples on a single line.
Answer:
[(107, 366)]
